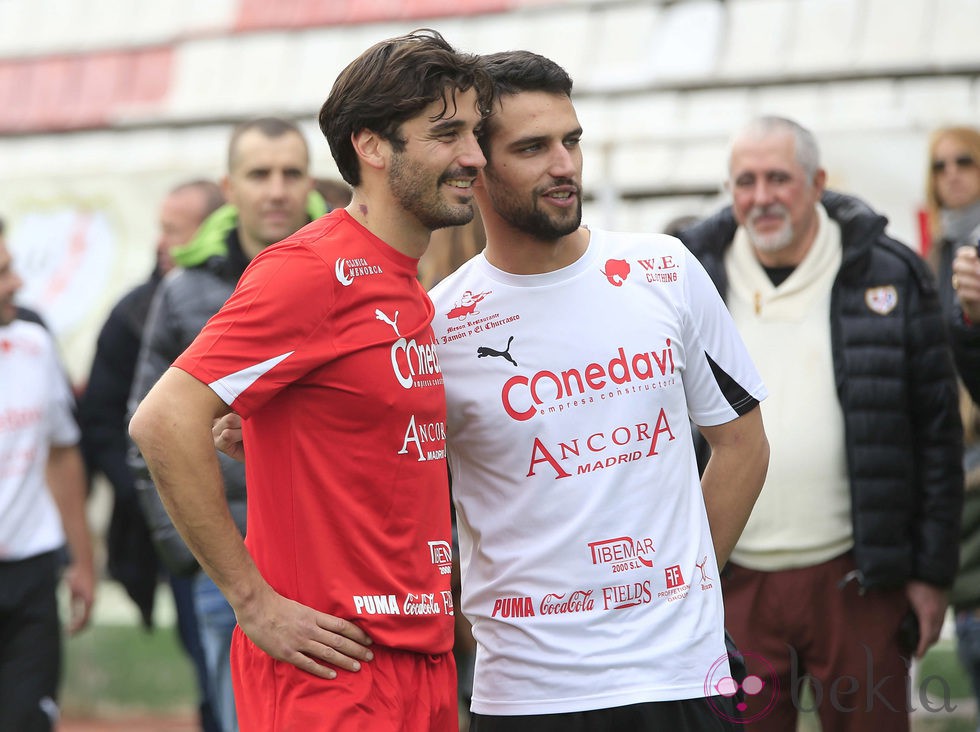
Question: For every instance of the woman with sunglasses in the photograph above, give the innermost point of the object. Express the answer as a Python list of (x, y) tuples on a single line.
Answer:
[(953, 208), (953, 211)]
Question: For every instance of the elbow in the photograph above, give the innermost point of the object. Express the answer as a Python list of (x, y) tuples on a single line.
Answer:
[(762, 447), (764, 457), (142, 425)]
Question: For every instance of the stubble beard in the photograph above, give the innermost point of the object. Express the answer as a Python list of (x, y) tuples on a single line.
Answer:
[(532, 220), (416, 195)]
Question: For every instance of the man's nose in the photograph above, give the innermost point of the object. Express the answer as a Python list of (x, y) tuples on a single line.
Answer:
[(563, 163), (277, 185), (763, 193), (471, 156)]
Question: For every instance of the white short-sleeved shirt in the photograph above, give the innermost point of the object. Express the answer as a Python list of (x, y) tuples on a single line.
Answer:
[(35, 413), (587, 563)]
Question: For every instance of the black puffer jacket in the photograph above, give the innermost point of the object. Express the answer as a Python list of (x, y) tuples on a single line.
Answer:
[(896, 385), (184, 302)]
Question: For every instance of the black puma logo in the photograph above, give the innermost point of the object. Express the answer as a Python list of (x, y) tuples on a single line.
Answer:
[(484, 351)]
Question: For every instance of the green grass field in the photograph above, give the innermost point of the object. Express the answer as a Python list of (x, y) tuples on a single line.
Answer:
[(111, 669)]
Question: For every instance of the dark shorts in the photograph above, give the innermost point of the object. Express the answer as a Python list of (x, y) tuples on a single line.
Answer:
[(687, 715), (30, 643)]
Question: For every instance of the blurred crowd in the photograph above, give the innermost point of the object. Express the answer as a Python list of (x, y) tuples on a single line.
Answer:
[(873, 484)]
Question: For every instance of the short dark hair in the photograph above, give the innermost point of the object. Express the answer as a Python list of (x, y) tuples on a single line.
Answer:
[(390, 83), (210, 192), (513, 72), (269, 127)]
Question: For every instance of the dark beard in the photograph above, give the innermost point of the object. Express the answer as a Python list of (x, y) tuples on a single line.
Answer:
[(526, 214), (539, 225), (415, 196)]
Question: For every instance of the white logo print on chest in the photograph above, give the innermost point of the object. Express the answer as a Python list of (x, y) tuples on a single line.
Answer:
[(385, 319), (347, 269), (411, 359)]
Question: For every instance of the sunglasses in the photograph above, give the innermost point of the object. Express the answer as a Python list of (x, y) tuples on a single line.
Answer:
[(962, 162)]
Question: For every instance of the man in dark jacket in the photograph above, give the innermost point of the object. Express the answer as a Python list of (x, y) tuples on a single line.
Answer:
[(132, 561), (269, 192), (841, 573)]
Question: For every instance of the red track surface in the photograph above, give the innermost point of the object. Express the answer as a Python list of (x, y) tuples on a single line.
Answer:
[(131, 724)]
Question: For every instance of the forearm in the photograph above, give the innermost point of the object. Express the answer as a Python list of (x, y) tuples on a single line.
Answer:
[(172, 428), (936, 446), (733, 478), (66, 480)]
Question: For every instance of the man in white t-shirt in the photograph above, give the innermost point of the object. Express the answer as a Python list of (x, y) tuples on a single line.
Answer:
[(573, 361), (42, 502)]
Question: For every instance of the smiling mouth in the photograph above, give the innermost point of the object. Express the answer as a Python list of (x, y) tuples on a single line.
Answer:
[(457, 183), (560, 198), (767, 220)]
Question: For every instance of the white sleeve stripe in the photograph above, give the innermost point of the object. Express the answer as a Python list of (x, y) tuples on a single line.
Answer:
[(230, 387)]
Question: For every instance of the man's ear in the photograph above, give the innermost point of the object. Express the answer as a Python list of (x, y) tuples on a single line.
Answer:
[(371, 149), (820, 181), (226, 188)]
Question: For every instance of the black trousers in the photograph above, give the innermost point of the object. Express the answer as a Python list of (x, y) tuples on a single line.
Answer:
[(30, 644), (688, 715)]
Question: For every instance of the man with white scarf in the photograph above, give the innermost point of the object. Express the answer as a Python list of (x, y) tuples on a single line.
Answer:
[(840, 575)]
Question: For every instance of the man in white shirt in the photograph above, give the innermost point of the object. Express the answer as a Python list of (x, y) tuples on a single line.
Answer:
[(42, 502), (573, 360)]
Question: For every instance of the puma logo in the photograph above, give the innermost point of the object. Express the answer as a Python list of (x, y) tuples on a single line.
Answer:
[(484, 351), (385, 319), (704, 576)]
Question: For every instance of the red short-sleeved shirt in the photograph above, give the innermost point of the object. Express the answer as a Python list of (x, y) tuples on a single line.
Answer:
[(326, 350)]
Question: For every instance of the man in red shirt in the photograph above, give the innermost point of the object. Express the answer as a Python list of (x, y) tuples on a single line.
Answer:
[(326, 350)]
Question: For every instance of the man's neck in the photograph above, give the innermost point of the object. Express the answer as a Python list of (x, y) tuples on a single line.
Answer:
[(518, 253), (388, 222), (250, 247)]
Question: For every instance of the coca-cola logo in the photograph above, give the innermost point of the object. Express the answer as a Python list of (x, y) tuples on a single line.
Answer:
[(422, 604), (579, 601)]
